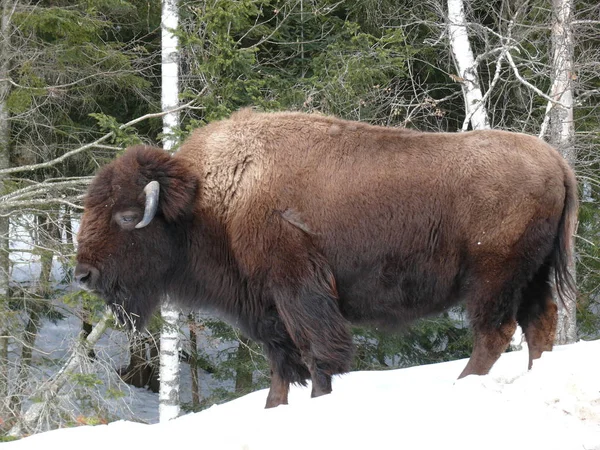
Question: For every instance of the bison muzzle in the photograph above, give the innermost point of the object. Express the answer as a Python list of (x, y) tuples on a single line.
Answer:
[(293, 226)]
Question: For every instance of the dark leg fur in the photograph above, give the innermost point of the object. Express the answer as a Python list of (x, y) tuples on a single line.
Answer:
[(284, 358), (307, 304), (301, 285), (322, 385), (321, 381), (492, 311), (537, 314)]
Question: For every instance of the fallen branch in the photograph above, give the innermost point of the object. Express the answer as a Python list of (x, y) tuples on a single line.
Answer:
[(49, 391)]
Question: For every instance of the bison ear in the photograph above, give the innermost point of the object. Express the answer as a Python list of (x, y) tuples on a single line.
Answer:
[(178, 184)]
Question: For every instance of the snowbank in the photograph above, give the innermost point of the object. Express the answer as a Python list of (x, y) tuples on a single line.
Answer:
[(554, 406)]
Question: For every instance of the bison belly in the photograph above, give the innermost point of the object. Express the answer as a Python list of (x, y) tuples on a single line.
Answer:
[(396, 290)]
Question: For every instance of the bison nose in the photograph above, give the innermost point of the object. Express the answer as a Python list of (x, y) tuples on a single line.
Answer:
[(86, 275)]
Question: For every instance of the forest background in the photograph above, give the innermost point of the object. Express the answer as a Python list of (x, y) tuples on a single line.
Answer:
[(80, 81)]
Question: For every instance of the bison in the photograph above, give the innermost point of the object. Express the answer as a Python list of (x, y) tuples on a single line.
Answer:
[(293, 226)]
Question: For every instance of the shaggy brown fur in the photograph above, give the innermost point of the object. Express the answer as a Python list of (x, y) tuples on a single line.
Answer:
[(291, 226)]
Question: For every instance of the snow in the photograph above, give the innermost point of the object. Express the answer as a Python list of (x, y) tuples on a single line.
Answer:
[(556, 405)]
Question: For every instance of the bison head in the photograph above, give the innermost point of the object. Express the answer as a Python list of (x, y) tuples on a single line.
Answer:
[(127, 241)]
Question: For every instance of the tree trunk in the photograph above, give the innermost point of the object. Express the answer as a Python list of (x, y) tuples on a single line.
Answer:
[(170, 72), (169, 339), (4, 221), (28, 343), (169, 365), (465, 65), (380, 352), (48, 236), (48, 239), (562, 134), (193, 327)]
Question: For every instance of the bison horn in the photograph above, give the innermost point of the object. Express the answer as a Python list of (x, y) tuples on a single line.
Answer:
[(151, 190)]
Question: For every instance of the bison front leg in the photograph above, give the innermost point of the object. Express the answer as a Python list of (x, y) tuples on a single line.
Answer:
[(321, 381), (306, 300), (284, 357), (297, 278), (278, 393), (294, 371)]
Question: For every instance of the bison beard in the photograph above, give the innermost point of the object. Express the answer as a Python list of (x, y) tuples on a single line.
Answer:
[(292, 226)]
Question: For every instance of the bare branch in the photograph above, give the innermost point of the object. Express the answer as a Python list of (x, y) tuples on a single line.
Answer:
[(49, 390), (275, 29), (76, 151), (523, 81), (44, 187), (585, 95), (585, 22), (22, 204), (66, 85), (549, 106)]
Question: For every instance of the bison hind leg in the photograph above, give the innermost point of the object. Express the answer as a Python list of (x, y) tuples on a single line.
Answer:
[(487, 348), (537, 314), (491, 305)]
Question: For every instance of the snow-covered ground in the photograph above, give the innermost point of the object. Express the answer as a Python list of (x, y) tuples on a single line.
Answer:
[(554, 406)]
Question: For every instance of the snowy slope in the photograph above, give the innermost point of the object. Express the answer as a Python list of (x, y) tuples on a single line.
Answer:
[(554, 406)]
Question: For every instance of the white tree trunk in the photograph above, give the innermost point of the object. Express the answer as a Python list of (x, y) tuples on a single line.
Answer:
[(168, 395), (562, 132), (169, 338), (465, 65), (169, 71)]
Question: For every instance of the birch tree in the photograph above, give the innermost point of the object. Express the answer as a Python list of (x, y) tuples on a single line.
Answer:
[(169, 337), (466, 67), (562, 133)]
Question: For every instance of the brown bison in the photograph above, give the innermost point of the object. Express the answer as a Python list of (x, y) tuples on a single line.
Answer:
[(292, 226)]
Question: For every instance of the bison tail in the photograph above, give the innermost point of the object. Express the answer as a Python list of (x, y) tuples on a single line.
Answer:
[(561, 256)]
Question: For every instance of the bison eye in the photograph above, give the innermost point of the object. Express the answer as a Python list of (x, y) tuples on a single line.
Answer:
[(127, 219)]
